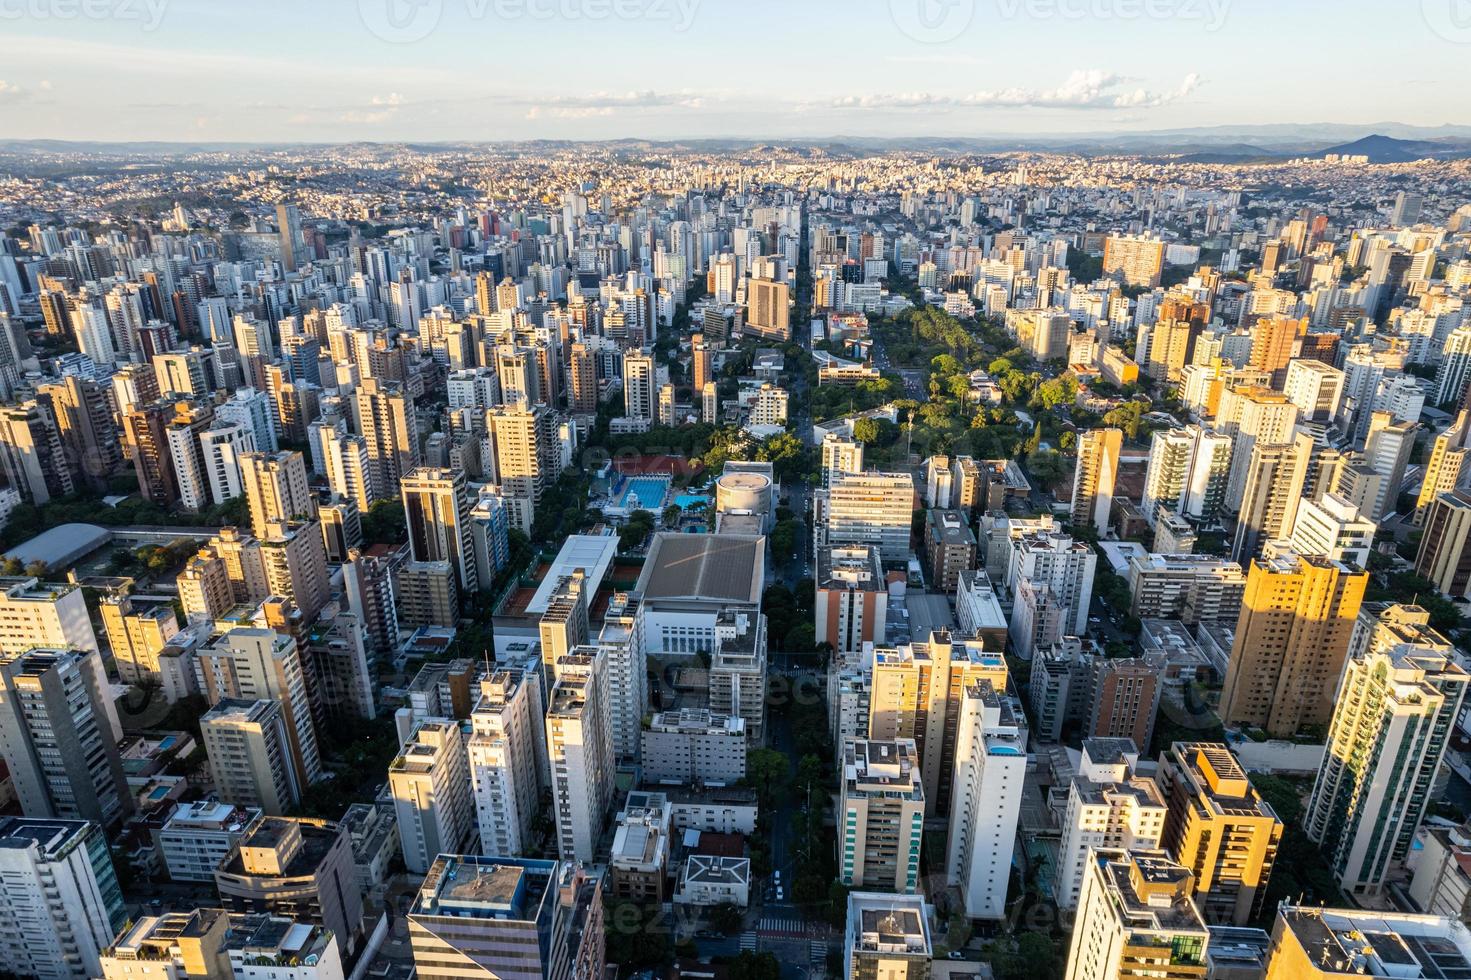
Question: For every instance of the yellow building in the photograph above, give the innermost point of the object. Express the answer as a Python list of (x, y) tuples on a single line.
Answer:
[(1310, 943), (1291, 642), (1219, 828)]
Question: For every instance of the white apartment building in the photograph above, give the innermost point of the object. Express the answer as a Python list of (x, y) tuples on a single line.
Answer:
[(198, 836), (507, 746), (1108, 807), (985, 799), (430, 786), (692, 745), (33, 615), (580, 750)]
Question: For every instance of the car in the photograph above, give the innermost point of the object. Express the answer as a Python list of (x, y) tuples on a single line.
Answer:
[(956, 954), (780, 896), (1094, 619), (776, 877)]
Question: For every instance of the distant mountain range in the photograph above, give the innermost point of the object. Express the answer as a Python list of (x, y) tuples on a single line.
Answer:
[(1385, 143)]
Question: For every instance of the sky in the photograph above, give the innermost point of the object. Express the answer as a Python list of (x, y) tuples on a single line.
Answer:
[(490, 70)]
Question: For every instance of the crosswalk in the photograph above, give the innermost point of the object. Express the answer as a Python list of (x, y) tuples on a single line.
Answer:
[(783, 925), (817, 952), (748, 942)]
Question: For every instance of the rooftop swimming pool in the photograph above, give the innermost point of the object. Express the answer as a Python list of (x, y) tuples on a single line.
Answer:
[(646, 493)]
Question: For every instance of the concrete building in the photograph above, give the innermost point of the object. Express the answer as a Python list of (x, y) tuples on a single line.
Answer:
[(1191, 588), (1275, 479), (53, 617), (852, 598), (869, 508), (978, 610), (172, 946), (580, 751), (59, 732), (1445, 549), (516, 919), (250, 754), (430, 785), (61, 896), (710, 881), (881, 802), (738, 671), (437, 509), (639, 859), (916, 692), (1188, 472), (692, 745), (196, 837), (1094, 476), (506, 752), (1064, 566), (278, 947), (887, 937), (1124, 698), (950, 547), (1313, 943), (1392, 722), (1291, 642), (137, 630), (990, 761), (299, 868), (1220, 828), (1136, 919), (1334, 527), (1108, 806)]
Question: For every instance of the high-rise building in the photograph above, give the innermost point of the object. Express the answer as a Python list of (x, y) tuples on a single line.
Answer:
[(702, 362), (564, 626), (840, 456), (520, 446), (1124, 694), (516, 919), (1093, 479), (59, 733), (887, 937), (1045, 556), (881, 803), (1107, 806), (1188, 472), (32, 453), (1273, 491), (505, 757), (1387, 452), (288, 224), (253, 663), (1446, 468), (300, 868), (1315, 388), (1135, 261), (917, 691), (294, 558), (768, 309), (1291, 642), (386, 414), (63, 904), (1274, 343), (1445, 549), (84, 419), (137, 632), (738, 670), (580, 750), (1334, 527), (622, 644), (1191, 588), (870, 508), (430, 785), (640, 386), (52, 617), (852, 598), (1394, 714), (987, 766), (250, 754), (276, 488), (1136, 919), (1219, 828), (437, 513), (582, 392), (1250, 416)]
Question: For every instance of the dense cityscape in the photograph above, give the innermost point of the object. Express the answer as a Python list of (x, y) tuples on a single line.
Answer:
[(735, 559)]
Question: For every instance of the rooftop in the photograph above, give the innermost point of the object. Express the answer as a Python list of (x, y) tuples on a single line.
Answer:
[(720, 567)]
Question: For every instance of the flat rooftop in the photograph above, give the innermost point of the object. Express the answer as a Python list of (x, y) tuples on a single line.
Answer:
[(719, 567), (591, 553)]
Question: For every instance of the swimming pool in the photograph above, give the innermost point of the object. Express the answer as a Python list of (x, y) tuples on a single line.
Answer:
[(688, 500), (646, 493)]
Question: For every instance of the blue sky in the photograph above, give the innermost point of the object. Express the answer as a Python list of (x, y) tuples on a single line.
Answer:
[(330, 70)]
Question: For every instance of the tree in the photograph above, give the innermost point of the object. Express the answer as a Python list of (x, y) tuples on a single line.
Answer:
[(672, 514), (753, 966), (1048, 467), (766, 772), (866, 431), (726, 918), (385, 523)]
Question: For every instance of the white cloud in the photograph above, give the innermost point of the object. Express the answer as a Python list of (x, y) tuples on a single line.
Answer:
[(1082, 90)]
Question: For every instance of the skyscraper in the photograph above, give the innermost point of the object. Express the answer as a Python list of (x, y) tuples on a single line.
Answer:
[(437, 512), (59, 731), (1445, 549), (1291, 642), (1395, 711), (639, 386), (881, 807), (1107, 806), (1274, 487), (1093, 479), (386, 413), (288, 221), (1137, 918), (276, 488), (430, 785), (505, 769), (580, 748), (985, 789)]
